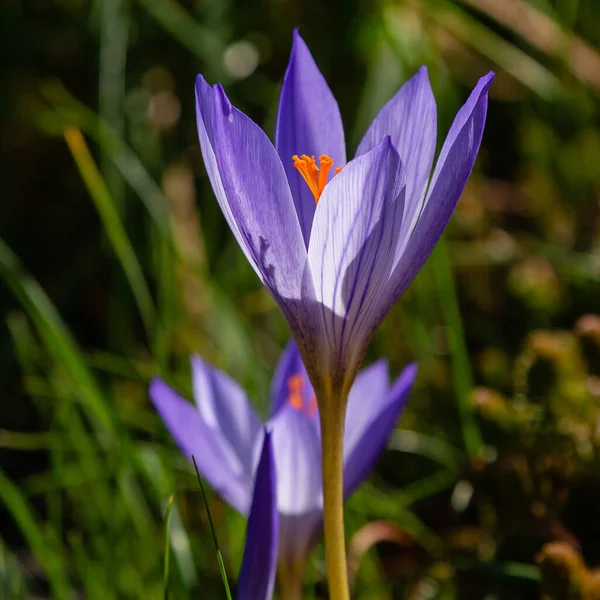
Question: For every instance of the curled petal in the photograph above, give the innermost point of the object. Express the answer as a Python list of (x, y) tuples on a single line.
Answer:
[(225, 408), (257, 573), (370, 442), (410, 119), (251, 187), (215, 459), (308, 122), (351, 252)]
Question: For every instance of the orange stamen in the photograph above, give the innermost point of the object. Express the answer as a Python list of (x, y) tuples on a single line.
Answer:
[(295, 391), (315, 177)]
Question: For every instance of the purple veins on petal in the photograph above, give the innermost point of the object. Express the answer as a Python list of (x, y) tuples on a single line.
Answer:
[(253, 192), (454, 165), (350, 254), (410, 118)]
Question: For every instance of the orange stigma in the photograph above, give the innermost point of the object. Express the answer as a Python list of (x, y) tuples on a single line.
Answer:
[(315, 177), (295, 385), (295, 398)]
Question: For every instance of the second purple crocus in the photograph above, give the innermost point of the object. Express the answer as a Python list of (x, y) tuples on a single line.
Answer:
[(224, 434)]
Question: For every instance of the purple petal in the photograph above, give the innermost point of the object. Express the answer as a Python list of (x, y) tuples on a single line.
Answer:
[(251, 187), (450, 176), (297, 450), (366, 398), (214, 457), (257, 573), (291, 384), (361, 457), (308, 122), (410, 119), (351, 251), (452, 171), (225, 408), (204, 109)]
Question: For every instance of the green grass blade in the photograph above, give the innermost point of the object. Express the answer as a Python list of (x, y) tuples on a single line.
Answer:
[(54, 333), (67, 110), (523, 67), (162, 482), (214, 534), (114, 29), (461, 367), (167, 547), (12, 581), (16, 503), (113, 226)]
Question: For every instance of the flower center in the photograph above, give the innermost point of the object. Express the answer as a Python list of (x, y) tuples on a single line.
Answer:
[(315, 177), (296, 396)]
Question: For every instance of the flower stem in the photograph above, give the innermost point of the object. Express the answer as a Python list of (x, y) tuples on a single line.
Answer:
[(291, 581), (332, 416)]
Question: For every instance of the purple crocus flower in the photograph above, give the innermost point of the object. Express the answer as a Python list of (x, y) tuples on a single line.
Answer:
[(336, 251), (223, 433), (257, 573)]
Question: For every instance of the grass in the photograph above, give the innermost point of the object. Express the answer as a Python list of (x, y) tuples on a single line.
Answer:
[(116, 276)]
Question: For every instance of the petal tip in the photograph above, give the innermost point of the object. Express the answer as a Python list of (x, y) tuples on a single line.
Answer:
[(486, 81), (411, 370), (199, 365), (386, 145), (196, 360), (201, 85), (382, 363), (157, 385), (298, 40), (223, 101)]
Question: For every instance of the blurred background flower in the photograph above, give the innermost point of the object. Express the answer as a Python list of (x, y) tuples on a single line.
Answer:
[(224, 435)]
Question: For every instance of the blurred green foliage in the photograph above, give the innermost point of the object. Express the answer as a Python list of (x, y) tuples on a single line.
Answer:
[(117, 264)]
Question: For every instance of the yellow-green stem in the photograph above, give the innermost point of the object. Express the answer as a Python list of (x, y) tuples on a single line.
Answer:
[(332, 416), (291, 581)]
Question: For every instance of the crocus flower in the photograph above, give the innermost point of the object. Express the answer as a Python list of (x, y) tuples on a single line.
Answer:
[(257, 573), (223, 432), (337, 249)]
